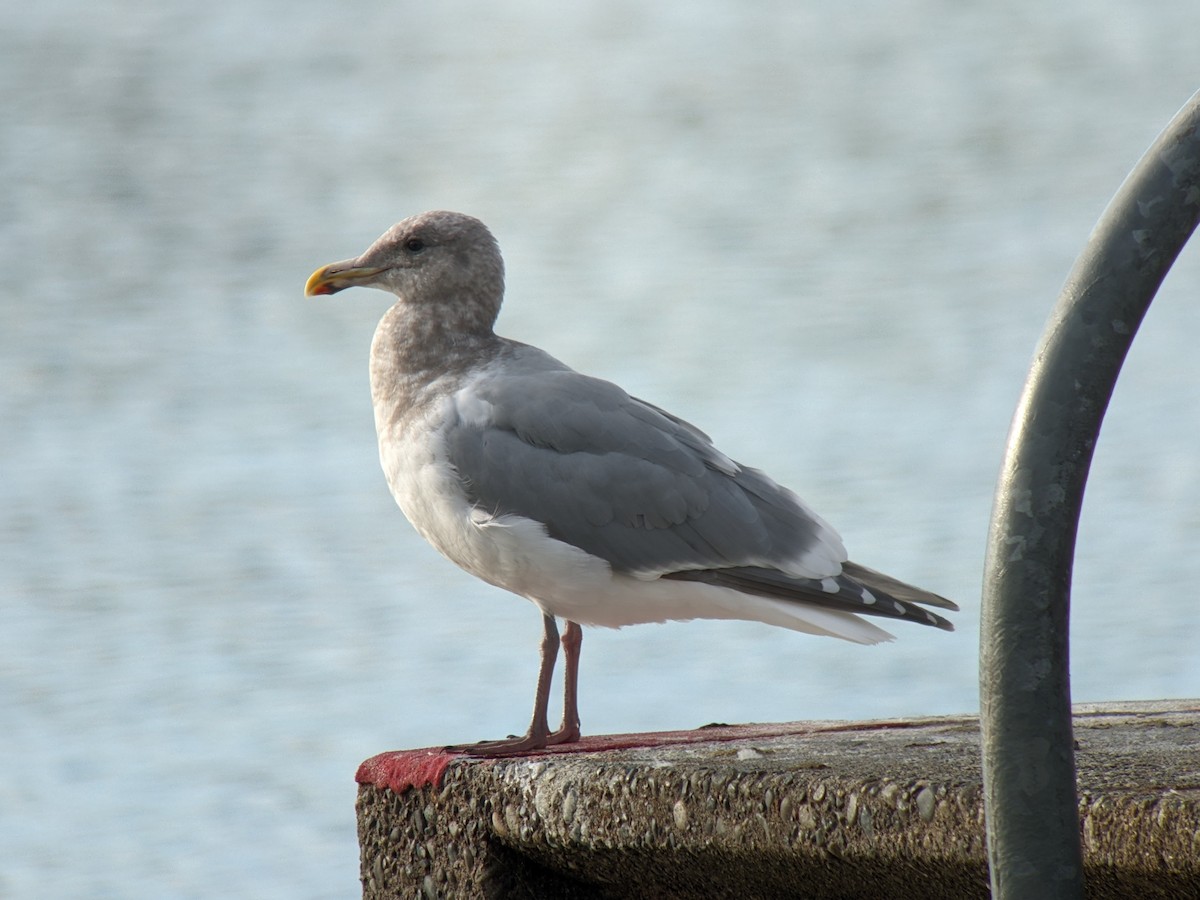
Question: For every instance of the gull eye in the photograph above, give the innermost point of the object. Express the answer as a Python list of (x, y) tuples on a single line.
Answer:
[(414, 245)]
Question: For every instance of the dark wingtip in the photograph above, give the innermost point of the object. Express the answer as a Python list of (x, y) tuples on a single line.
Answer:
[(937, 621), (852, 596)]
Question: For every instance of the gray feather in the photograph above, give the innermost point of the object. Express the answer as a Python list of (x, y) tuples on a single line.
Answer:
[(617, 477)]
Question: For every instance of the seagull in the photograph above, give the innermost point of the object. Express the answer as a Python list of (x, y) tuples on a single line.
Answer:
[(600, 508)]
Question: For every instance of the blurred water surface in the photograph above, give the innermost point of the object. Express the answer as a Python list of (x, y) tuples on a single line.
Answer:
[(827, 234)]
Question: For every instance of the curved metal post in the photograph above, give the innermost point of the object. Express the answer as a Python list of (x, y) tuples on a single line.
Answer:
[(1025, 698)]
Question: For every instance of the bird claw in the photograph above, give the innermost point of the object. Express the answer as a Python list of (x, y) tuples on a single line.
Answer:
[(513, 745), (564, 735), (509, 746)]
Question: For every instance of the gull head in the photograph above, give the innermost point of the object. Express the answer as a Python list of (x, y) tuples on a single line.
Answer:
[(437, 258)]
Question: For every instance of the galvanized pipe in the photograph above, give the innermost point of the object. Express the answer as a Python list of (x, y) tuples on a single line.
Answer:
[(1025, 698)]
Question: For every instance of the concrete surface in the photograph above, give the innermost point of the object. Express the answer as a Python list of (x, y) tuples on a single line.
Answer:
[(815, 810)]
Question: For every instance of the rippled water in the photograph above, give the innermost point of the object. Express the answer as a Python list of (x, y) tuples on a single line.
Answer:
[(830, 237)]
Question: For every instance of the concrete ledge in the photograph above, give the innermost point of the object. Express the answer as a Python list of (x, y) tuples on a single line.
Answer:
[(816, 810)]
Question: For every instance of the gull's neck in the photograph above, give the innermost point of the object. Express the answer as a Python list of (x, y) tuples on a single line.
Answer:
[(415, 346)]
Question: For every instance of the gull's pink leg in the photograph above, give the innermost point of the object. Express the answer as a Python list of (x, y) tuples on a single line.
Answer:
[(568, 732), (539, 730)]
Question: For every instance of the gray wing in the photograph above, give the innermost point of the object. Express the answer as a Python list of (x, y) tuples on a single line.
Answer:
[(623, 480)]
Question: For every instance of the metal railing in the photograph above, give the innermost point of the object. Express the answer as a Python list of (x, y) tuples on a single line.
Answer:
[(1034, 847)]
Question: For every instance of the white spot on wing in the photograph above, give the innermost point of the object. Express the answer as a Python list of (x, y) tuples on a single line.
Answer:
[(823, 557), (472, 408)]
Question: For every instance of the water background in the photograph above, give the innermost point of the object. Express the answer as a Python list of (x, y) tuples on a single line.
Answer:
[(829, 234)]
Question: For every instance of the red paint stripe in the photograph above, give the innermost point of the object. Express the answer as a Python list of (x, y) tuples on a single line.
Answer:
[(403, 769), (400, 770)]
